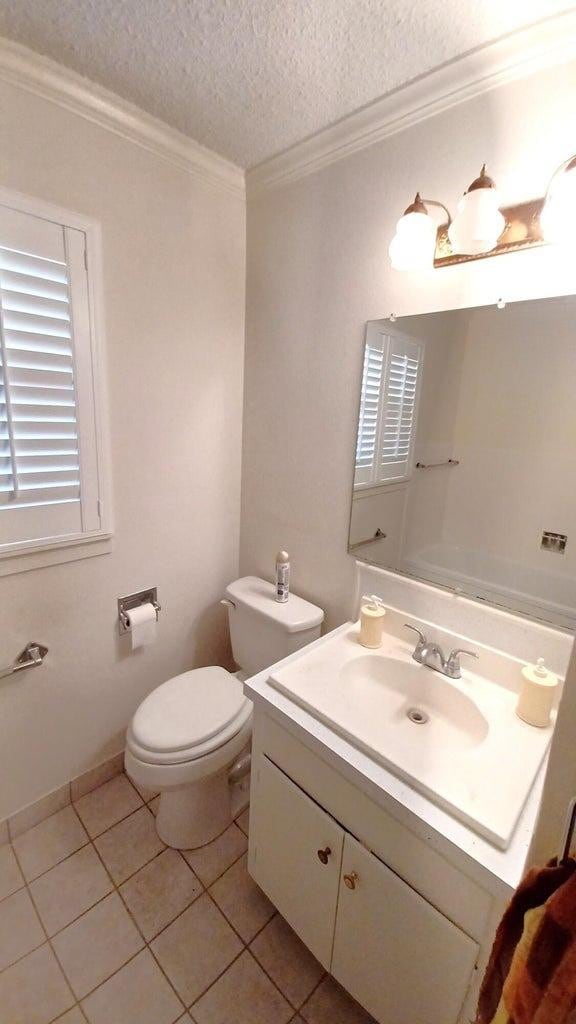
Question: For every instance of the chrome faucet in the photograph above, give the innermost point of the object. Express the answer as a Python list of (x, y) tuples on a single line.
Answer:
[(431, 655)]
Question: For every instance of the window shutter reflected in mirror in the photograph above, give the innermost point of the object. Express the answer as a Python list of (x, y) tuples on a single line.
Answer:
[(388, 409)]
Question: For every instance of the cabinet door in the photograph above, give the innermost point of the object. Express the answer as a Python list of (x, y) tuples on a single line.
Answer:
[(398, 956), (295, 857)]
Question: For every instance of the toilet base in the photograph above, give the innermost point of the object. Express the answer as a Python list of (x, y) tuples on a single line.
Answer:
[(192, 815)]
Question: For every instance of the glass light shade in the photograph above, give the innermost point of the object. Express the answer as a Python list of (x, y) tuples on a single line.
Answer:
[(558, 218), (478, 223), (414, 243)]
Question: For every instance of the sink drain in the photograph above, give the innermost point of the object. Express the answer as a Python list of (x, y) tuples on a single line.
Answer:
[(417, 716)]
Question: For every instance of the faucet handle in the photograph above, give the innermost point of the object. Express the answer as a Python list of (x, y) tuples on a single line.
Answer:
[(453, 663), (420, 646), (421, 637)]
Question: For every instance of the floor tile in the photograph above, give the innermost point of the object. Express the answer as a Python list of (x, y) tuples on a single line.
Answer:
[(243, 995), (209, 862), (10, 875), (32, 815), (96, 777), (50, 842), (20, 929), (159, 892), (74, 1016), (97, 944), (70, 888), (240, 899), (104, 806), (329, 1003), (243, 820), (34, 991), (146, 794), (129, 844), (196, 948), (154, 805), (138, 994), (287, 960), (4, 833)]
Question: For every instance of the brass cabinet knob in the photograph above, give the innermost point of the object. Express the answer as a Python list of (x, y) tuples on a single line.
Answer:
[(324, 854), (351, 879)]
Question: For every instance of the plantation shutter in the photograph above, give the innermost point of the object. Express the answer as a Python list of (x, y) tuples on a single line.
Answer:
[(368, 420), (388, 408), (47, 485), (399, 408)]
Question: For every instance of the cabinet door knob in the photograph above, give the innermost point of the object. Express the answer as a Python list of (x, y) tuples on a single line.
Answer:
[(351, 879), (324, 854)]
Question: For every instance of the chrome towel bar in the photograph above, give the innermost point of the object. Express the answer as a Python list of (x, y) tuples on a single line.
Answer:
[(379, 535), (435, 465), (32, 655)]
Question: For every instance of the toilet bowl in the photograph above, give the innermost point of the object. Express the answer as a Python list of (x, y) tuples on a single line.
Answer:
[(190, 737)]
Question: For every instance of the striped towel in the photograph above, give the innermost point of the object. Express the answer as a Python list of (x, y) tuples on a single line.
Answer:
[(531, 974)]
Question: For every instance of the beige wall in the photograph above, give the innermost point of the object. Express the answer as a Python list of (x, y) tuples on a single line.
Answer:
[(318, 269), (173, 258)]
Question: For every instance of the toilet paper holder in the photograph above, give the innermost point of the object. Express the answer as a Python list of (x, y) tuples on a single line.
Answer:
[(126, 604)]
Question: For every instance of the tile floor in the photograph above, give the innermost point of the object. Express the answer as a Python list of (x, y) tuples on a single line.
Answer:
[(101, 923)]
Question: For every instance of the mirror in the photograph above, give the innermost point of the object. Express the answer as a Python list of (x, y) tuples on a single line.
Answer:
[(465, 471)]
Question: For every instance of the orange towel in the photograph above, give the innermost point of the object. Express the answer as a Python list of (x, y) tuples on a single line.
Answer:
[(531, 975)]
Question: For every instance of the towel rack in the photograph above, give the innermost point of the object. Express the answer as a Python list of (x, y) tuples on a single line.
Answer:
[(568, 834), (435, 465), (379, 535), (32, 655)]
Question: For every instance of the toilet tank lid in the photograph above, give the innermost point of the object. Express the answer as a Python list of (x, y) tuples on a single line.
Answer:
[(294, 615)]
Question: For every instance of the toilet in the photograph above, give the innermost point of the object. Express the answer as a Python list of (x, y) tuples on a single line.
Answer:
[(190, 738)]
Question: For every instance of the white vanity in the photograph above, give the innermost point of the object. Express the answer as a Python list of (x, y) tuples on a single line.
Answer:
[(393, 876)]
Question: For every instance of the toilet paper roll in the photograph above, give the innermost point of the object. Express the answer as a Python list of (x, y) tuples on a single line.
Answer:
[(142, 624)]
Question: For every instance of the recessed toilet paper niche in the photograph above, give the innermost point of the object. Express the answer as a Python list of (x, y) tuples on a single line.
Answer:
[(132, 602)]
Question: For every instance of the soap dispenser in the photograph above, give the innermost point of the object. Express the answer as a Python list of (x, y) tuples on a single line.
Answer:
[(537, 695), (372, 615)]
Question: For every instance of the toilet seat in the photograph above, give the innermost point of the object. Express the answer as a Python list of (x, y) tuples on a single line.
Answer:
[(188, 716)]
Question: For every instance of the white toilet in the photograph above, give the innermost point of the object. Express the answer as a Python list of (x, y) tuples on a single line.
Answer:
[(186, 737)]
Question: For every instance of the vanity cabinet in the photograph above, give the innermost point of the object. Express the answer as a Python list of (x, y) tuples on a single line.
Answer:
[(401, 958)]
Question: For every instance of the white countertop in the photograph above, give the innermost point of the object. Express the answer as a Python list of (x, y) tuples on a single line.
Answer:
[(498, 870)]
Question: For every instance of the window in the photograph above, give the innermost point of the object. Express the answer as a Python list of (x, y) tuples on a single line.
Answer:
[(50, 471), (388, 408)]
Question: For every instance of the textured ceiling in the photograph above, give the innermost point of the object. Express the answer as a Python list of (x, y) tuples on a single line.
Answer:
[(248, 78)]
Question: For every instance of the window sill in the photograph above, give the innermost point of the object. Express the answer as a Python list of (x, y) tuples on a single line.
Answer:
[(54, 554)]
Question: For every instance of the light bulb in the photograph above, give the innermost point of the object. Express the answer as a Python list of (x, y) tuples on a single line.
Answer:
[(478, 223), (414, 243), (558, 217)]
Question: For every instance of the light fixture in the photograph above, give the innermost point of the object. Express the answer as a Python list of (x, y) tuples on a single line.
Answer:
[(558, 217), (413, 245), (478, 224)]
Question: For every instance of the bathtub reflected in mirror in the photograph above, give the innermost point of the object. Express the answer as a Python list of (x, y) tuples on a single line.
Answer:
[(465, 467)]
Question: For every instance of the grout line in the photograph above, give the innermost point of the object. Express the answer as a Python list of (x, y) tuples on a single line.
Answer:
[(139, 930), (216, 979), (116, 887), (48, 940), (123, 818)]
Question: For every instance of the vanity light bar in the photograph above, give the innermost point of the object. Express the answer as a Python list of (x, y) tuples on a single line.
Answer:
[(481, 227), (522, 231)]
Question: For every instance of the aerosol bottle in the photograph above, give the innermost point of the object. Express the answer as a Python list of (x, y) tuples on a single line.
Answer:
[(282, 576)]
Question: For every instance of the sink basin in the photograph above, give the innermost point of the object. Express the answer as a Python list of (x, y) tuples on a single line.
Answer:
[(409, 695), (457, 741)]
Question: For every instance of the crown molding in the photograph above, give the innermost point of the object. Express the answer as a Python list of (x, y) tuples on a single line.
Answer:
[(549, 43), (24, 68)]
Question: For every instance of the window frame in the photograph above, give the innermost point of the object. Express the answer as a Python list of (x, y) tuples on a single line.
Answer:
[(22, 555)]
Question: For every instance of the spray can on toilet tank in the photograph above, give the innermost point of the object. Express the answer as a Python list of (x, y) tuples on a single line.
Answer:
[(282, 576)]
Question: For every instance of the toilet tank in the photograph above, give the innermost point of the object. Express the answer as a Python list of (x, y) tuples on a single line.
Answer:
[(262, 630)]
